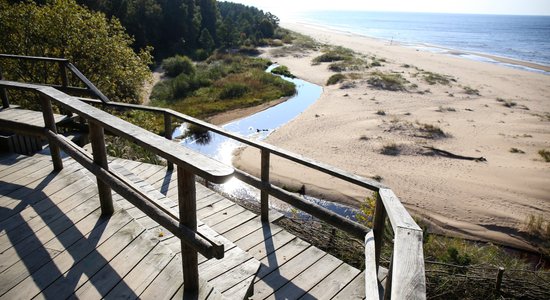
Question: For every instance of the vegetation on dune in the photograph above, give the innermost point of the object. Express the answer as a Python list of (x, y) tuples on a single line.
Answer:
[(336, 78), (221, 83), (471, 91), (98, 46), (283, 70), (387, 81), (434, 78), (545, 154)]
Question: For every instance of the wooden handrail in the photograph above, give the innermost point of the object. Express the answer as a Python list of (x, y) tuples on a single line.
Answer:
[(406, 276), (189, 164), (63, 65)]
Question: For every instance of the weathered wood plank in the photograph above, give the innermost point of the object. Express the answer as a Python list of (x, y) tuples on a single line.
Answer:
[(281, 256), (371, 277), (234, 221), (53, 269), (33, 218), (333, 283), (45, 235), (143, 274), (98, 259), (167, 283), (258, 236), (354, 290), (396, 212), (34, 183), (408, 277), (308, 278), (114, 272), (270, 244), (272, 282)]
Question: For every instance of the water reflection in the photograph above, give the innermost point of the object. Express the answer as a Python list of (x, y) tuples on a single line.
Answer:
[(257, 127)]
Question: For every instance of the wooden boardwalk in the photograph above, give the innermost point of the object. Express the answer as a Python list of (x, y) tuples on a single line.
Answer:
[(54, 243)]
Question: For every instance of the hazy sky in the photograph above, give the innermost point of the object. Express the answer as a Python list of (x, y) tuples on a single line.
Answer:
[(514, 7)]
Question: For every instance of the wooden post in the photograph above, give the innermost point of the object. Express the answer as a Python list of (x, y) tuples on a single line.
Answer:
[(188, 218), (499, 280), (3, 93), (49, 122), (63, 74), (378, 228), (97, 138), (168, 133), (264, 196)]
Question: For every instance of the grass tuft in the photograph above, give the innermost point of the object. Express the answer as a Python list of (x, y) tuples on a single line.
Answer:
[(545, 154), (387, 81), (391, 149), (336, 78)]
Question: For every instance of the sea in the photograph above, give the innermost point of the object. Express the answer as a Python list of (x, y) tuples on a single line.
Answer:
[(523, 38)]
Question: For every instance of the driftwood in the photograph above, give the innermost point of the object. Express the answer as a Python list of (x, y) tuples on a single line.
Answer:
[(452, 155)]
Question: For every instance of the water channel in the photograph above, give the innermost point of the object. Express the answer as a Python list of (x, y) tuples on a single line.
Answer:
[(257, 127)]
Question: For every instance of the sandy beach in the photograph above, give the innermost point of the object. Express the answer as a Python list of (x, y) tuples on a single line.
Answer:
[(348, 128)]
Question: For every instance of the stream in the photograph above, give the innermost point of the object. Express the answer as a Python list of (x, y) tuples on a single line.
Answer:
[(257, 127)]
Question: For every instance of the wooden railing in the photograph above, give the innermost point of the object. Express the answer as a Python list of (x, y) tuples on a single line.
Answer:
[(188, 164), (406, 276)]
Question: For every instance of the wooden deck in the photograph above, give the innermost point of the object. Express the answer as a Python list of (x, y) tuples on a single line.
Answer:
[(55, 244)]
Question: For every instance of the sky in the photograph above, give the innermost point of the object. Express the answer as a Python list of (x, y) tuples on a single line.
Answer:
[(283, 8)]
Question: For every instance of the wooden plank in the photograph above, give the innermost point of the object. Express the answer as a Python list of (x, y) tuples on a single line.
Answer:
[(39, 215), (32, 183), (371, 277), (45, 234), (278, 258), (114, 272), (167, 283), (302, 283), (332, 284), (408, 277), (258, 236), (233, 222), (354, 290), (222, 215), (236, 276), (271, 244), (272, 282), (396, 212), (143, 274), (243, 229), (98, 259), (66, 191), (52, 268)]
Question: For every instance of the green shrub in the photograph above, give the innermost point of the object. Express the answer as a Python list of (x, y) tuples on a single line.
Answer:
[(233, 90), (387, 81), (545, 154), (471, 91), (180, 86), (283, 70), (176, 65), (391, 149), (433, 78), (336, 78)]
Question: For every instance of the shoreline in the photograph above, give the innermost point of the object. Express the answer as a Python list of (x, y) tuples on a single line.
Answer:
[(538, 67), (486, 201)]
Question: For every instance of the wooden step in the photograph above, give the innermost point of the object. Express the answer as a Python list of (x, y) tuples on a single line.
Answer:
[(236, 269)]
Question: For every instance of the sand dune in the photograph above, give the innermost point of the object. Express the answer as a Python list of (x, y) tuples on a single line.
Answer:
[(346, 128)]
